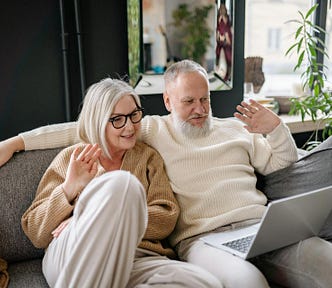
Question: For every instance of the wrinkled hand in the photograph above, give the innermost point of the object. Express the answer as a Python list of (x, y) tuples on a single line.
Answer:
[(81, 170), (258, 119), (56, 232), (9, 147)]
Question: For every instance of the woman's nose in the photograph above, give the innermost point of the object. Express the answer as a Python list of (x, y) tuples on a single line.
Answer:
[(129, 124)]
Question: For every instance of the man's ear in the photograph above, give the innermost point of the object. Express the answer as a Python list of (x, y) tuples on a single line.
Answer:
[(167, 102)]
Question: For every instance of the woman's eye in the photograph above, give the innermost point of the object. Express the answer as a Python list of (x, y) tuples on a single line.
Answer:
[(117, 119)]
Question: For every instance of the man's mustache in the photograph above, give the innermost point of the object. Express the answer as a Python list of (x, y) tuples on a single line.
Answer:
[(195, 116)]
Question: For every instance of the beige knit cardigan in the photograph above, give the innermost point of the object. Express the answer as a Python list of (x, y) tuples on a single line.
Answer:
[(50, 206)]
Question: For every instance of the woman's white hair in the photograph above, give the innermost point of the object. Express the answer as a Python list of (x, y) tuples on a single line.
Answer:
[(98, 106)]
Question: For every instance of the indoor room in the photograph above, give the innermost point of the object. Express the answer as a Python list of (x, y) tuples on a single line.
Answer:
[(135, 135)]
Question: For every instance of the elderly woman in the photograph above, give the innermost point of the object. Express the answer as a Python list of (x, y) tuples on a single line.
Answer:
[(104, 206)]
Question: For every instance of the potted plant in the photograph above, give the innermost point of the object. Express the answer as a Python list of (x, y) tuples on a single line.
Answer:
[(195, 32), (317, 101)]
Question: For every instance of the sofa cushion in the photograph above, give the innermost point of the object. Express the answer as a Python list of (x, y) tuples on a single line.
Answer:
[(19, 179), (26, 274)]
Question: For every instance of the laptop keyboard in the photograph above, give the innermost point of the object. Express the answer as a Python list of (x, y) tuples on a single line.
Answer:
[(241, 244)]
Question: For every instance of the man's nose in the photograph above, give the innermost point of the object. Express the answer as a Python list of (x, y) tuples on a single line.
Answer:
[(199, 108)]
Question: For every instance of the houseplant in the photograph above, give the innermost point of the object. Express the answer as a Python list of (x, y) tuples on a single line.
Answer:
[(133, 11), (317, 101), (195, 33)]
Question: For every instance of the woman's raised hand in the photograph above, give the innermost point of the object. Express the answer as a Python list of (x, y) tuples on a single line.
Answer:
[(81, 170)]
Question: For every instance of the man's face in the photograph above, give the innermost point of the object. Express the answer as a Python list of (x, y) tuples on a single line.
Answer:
[(189, 96)]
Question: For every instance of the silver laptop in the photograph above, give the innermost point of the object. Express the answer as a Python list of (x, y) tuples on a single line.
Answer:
[(286, 221)]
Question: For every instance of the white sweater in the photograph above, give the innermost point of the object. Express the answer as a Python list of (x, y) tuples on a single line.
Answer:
[(213, 177)]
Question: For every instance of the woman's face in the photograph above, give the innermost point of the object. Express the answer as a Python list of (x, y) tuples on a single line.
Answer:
[(122, 139)]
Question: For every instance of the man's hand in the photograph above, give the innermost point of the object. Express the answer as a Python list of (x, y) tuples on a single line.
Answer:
[(81, 170), (9, 147), (258, 119)]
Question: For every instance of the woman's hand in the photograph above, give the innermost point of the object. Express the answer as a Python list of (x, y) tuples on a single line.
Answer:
[(81, 170), (9, 147), (56, 232), (258, 119)]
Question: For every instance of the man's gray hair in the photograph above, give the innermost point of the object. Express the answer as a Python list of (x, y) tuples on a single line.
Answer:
[(184, 66), (98, 106)]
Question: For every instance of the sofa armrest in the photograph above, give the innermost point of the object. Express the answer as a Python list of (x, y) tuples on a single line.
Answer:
[(19, 179)]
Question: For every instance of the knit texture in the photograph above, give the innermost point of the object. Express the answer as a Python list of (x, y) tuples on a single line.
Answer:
[(50, 207), (213, 177), (50, 136)]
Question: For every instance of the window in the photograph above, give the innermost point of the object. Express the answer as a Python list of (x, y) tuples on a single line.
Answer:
[(267, 35), (274, 39)]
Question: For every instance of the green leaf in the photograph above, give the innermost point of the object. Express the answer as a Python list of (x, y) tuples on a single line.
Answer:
[(293, 21), (309, 23), (291, 48), (311, 10), (298, 32), (312, 49), (299, 46), (300, 60), (308, 44), (316, 89), (320, 29)]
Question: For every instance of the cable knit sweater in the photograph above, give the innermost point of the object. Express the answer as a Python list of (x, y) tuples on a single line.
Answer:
[(50, 207), (213, 177)]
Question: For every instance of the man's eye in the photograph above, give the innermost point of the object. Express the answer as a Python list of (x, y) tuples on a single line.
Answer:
[(204, 100), (189, 101)]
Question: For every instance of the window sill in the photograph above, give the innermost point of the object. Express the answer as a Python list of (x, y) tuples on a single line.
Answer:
[(295, 124)]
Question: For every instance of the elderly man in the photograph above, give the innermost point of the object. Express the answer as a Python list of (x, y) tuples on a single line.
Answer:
[(211, 164)]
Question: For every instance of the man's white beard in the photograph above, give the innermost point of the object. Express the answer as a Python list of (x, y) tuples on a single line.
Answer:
[(190, 130)]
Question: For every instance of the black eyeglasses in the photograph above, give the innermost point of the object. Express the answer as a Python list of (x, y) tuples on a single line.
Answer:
[(120, 121)]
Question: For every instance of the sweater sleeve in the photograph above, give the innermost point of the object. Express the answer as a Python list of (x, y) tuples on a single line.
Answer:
[(275, 151), (51, 136), (50, 206), (163, 209)]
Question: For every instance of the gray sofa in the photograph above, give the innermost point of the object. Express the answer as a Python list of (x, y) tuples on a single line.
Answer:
[(20, 177)]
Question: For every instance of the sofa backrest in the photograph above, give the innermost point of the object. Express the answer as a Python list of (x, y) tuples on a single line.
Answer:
[(19, 179), (311, 172)]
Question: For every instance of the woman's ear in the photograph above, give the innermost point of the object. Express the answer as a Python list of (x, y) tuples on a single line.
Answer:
[(167, 101)]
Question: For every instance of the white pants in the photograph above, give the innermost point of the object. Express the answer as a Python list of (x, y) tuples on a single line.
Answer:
[(306, 264), (99, 246), (153, 270), (232, 271)]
